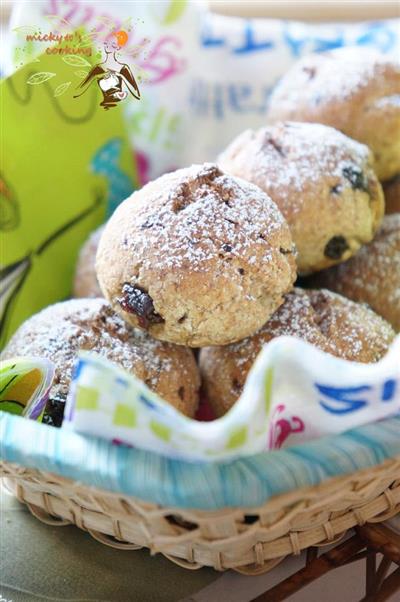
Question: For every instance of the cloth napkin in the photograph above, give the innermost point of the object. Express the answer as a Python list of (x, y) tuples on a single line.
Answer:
[(294, 393)]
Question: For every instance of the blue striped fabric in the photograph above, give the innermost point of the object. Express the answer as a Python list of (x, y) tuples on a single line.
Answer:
[(247, 482)]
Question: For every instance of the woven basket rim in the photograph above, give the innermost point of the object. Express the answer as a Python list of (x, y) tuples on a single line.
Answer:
[(154, 478), (331, 485), (223, 539)]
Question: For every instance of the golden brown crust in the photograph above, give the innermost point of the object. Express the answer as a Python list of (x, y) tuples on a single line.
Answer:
[(351, 89), (60, 330), (373, 275), (196, 257), (85, 281), (327, 320), (391, 190), (322, 181)]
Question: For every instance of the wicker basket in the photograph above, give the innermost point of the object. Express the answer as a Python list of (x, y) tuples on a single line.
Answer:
[(250, 541)]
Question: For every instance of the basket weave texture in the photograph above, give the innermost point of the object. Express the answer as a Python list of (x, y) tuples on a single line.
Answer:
[(250, 541)]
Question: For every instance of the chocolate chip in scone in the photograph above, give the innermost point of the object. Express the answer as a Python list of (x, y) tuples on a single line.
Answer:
[(356, 178), (335, 247), (54, 411), (135, 300), (237, 386), (227, 248)]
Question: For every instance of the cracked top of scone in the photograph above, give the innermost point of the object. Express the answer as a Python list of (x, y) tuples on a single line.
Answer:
[(197, 257), (325, 319), (323, 182), (353, 89), (59, 331)]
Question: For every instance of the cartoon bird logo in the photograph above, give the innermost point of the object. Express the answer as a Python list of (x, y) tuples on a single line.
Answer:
[(115, 79)]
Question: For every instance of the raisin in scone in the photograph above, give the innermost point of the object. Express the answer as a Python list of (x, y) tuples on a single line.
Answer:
[(392, 195), (85, 281), (61, 330), (373, 275), (322, 181), (334, 324), (354, 90), (196, 258)]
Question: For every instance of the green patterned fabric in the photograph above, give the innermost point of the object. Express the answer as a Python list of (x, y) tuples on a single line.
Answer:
[(67, 161)]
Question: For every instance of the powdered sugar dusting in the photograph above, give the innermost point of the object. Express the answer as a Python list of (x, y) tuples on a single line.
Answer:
[(60, 331), (388, 102), (331, 322), (202, 214), (294, 156), (330, 77)]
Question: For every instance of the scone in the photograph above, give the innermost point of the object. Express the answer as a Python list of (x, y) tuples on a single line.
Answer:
[(354, 90), (321, 180), (327, 320), (85, 281), (196, 258), (60, 331), (373, 275), (392, 195)]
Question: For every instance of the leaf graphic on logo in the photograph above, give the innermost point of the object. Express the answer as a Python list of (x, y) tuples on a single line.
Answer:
[(87, 39), (25, 29), (85, 43), (61, 88), (40, 78), (57, 20), (75, 61), (81, 74), (106, 20), (91, 35)]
